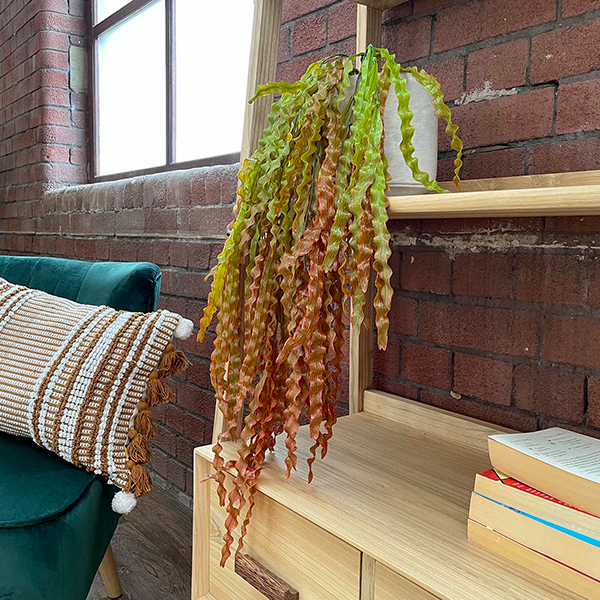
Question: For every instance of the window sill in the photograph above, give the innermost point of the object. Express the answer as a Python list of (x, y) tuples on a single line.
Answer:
[(213, 161)]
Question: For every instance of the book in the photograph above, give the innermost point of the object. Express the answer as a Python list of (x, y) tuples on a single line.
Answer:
[(569, 547), (562, 463), (509, 491), (539, 563)]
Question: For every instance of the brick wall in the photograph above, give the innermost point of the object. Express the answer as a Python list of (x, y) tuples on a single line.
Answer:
[(495, 318), (42, 103)]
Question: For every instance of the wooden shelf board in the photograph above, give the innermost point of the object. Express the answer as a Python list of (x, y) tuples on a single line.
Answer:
[(561, 194), (400, 493), (379, 4)]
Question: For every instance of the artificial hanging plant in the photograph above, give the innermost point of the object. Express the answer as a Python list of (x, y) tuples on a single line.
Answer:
[(310, 220)]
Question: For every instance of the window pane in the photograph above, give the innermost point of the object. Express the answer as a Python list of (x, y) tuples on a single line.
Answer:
[(105, 8), (132, 93), (212, 56)]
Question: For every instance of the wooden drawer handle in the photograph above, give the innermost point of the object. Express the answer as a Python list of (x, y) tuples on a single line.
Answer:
[(260, 578)]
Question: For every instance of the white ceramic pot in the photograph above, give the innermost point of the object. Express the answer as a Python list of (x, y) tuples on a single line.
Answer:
[(425, 139)]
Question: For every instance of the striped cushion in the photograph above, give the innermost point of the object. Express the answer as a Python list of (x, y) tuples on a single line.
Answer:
[(79, 379)]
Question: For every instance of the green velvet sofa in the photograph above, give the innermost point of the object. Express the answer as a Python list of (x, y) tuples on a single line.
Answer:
[(56, 521)]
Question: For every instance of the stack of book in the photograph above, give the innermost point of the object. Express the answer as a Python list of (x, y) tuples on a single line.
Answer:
[(540, 505)]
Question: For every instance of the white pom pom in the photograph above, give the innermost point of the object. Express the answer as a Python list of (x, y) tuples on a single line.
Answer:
[(123, 502), (184, 329)]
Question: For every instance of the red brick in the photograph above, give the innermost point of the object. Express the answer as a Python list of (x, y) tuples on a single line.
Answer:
[(503, 416), (292, 9), (178, 255), (474, 21), (483, 378), (593, 414), (404, 316), (283, 52), (78, 156), (565, 51), (501, 66), (573, 224), (423, 5), (594, 288), (426, 272), (310, 33), (508, 119), (195, 310), (570, 8), (176, 473), (549, 278), (198, 255), (342, 22), (192, 285), (194, 428), (573, 340), (185, 451), (498, 163), (427, 365), (159, 462), (176, 305), (408, 41), (130, 221), (450, 74), (558, 157), (577, 107), (160, 252), (397, 12), (209, 222), (59, 22), (198, 373), (165, 439), (484, 275), (387, 362), (292, 70), (445, 170), (549, 391), (121, 250), (52, 59), (54, 153), (393, 386), (160, 221), (198, 401), (51, 40), (493, 329)]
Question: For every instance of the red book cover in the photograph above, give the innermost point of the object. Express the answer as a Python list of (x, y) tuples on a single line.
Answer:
[(505, 480)]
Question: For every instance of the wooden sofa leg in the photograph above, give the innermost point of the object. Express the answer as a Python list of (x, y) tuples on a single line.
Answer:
[(110, 576)]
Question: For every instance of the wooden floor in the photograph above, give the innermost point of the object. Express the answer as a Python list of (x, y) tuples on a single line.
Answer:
[(152, 548)]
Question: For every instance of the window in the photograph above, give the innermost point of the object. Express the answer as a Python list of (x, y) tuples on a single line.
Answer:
[(168, 83)]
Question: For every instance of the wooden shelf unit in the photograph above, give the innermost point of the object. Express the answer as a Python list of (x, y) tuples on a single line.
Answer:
[(386, 515), (389, 504), (558, 194)]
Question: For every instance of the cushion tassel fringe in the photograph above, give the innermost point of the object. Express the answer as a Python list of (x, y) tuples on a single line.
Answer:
[(173, 362)]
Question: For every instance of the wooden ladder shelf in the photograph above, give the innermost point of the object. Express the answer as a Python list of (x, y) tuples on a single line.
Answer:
[(386, 515)]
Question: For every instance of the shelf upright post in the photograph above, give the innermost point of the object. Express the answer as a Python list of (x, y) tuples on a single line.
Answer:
[(368, 31)]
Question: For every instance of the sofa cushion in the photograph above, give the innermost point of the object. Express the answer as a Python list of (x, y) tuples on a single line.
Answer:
[(80, 380), (123, 286), (57, 559), (35, 485)]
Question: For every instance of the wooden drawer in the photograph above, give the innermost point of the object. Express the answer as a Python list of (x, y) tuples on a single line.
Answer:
[(391, 586), (314, 562)]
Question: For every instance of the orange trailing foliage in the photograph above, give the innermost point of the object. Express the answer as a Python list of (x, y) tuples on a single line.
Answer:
[(310, 225)]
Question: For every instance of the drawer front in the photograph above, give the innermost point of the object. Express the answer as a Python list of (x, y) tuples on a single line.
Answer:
[(315, 563), (391, 586)]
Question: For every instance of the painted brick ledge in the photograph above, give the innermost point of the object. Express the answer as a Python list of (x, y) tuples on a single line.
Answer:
[(189, 204)]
